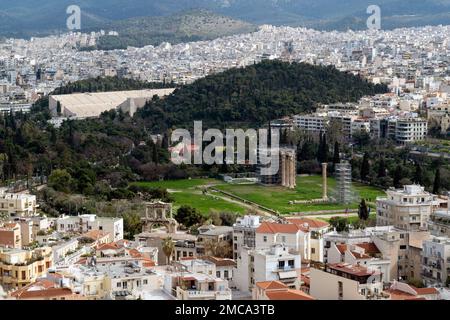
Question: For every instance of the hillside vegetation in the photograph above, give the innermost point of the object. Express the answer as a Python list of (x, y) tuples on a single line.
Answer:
[(255, 95)]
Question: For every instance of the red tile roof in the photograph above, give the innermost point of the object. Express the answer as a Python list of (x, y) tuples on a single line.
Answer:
[(351, 269), (108, 246), (270, 227), (221, 262), (425, 291), (288, 295), (271, 285), (369, 247), (342, 248), (47, 293), (312, 223), (358, 255)]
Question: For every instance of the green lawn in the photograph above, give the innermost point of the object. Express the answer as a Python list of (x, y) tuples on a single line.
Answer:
[(308, 187), (189, 192)]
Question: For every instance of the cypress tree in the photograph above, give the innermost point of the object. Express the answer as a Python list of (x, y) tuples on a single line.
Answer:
[(418, 174), (363, 211), (397, 176), (365, 167), (336, 156), (437, 182), (382, 168)]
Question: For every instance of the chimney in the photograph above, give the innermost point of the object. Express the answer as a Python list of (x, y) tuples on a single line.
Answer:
[(324, 181)]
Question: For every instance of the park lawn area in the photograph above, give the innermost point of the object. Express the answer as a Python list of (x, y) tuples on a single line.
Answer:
[(308, 188), (189, 192)]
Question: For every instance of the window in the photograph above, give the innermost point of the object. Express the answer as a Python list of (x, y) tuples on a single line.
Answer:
[(340, 290), (265, 238), (313, 250), (218, 274), (145, 281), (281, 264), (403, 247), (119, 285), (225, 274)]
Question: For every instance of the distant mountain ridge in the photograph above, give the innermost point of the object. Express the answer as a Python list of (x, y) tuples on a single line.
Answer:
[(190, 26), (25, 17)]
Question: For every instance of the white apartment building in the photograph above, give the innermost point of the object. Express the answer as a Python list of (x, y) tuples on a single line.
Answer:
[(244, 233), (274, 263), (343, 281), (409, 130), (90, 222), (196, 286), (292, 236), (401, 130), (408, 208), (312, 122), (17, 204), (110, 279), (436, 261)]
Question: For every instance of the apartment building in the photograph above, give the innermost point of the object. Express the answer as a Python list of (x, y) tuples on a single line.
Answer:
[(320, 121), (440, 115), (365, 254), (244, 234), (224, 267), (317, 229), (400, 247), (90, 222), (196, 286), (111, 278), (343, 281), (408, 208), (409, 130), (19, 268), (10, 235), (401, 130), (17, 204), (273, 263), (185, 244), (439, 223), (292, 236), (436, 261), (213, 234), (312, 122)]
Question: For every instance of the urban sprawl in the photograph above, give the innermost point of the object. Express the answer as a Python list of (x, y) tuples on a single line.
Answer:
[(262, 255)]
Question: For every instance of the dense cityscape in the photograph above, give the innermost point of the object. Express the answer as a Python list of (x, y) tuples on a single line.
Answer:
[(91, 208)]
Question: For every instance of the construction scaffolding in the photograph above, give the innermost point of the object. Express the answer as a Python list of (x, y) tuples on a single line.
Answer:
[(344, 182)]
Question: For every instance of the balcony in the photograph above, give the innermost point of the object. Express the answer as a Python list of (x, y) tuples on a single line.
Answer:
[(426, 274), (285, 268), (215, 295)]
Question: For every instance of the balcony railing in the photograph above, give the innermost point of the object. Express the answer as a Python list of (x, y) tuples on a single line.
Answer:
[(209, 294), (286, 268)]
